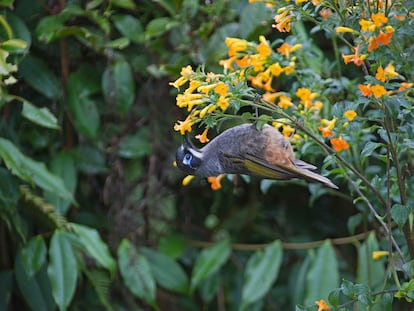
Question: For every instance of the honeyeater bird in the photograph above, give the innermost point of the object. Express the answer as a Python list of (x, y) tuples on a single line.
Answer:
[(244, 149)]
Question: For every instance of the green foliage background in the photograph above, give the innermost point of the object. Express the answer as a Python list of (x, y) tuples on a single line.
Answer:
[(92, 212)]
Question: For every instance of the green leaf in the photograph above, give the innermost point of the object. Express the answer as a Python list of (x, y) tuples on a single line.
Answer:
[(35, 290), (209, 261), (158, 26), (400, 213), (136, 272), (130, 27), (7, 3), (31, 170), (34, 255), (63, 164), (6, 288), (91, 160), (82, 108), (39, 76), (94, 246), (166, 271), (261, 272), (62, 270), (135, 146), (323, 274), (209, 286), (172, 245), (369, 148), (14, 45), (118, 86), (370, 271), (119, 43), (333, 297), (126, 4), (40, 116)]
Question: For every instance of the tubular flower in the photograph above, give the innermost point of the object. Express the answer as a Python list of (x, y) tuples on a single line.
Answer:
[(365, 89), (286, 49), (194, 84), (343, 29), (404, 86), (263, 48), (187, 179), (379, 19), (378, 254), (270, 96), (184, 126), (190, 100), (355, 58), (215, 181), (306, 97), (285, 102), (367, 25), (223, 102), (207, 109), (350, 114), (325, 13), (322, 305), (221, 89), (186, 73), (283, 21), (339, 144), (202, 138), (236, 45), (276, 69), (378, 90), (383, 38), (327, 129)]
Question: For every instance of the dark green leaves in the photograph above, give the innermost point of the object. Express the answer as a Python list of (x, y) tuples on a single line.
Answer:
[(33, 255), (261, 271), (400, 213), (135, 146), (40, 116)]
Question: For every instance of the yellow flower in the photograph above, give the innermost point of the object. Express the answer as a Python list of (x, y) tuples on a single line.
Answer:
[(207, 109), (270, 97), (287, 131), (327, 129), (190, 100), (378, 254), (350, 114), (387, 73), (285, 102), (355, 58), (289, 69), (236, 45), (378, 90), (187, 180), (223, 103), (263, 48), (339, 144), (306, 97), (194, 84), (404, 86), (283, 21), (379, 19), (380, 75), (322, 305), (286, 49), (221, 89), (215, 181), (202, 138), (184, 126), (344, 29), (367, 25), (206, 88), (317, 105), (276, 69)]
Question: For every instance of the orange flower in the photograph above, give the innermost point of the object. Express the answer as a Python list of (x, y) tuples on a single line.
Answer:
[(326, 132), (350, 114), (355, 58), (202, 138), (221, 89), (404, 86), (282, 21), (327, 129), (378, 90), (263, 48), (365, 89), (215, 181), (339, 144), (379, 19), (322, 305), (383, 38), (325, 13), (236, 45), (285, 102), (286, 48), (270, 97), (367, 25)]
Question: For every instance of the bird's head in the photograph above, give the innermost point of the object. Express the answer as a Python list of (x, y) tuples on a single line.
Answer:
[(188, 157)]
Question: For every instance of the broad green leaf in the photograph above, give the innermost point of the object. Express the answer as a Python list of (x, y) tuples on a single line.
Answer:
[(130, 27), (136, 272), (94, 246), (31, 170), (40, 116), (118, 86), (297, 293), (166, 271), (370, 271), (91, 160), (323, 274), (172, 245), (158, 26), (34, 255), (400, 213), (135, 146), (261, 272), (20, 30), (209, 261), (39, 76), (81, 106), (369, 148), (35, 290), (119, 43), (63, 164), (14, 45), (7, 3), (126, 4), (208, 287), (62, 269)]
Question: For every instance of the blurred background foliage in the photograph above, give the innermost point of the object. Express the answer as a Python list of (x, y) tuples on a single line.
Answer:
[(93, 215)]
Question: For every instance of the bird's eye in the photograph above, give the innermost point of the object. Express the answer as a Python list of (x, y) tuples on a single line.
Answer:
[(187, 159)]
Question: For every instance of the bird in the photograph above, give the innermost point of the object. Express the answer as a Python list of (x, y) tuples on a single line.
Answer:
[(245, 149)]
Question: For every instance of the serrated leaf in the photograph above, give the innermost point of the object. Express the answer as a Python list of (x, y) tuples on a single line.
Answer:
[(118, 86), (209, 261), (323, 272), (31, 170), (39, 76), (33, 255), (62, 269), (166, 271), (261, 271), (40, 116), (400, 213), (136, 272), (95, 246)]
